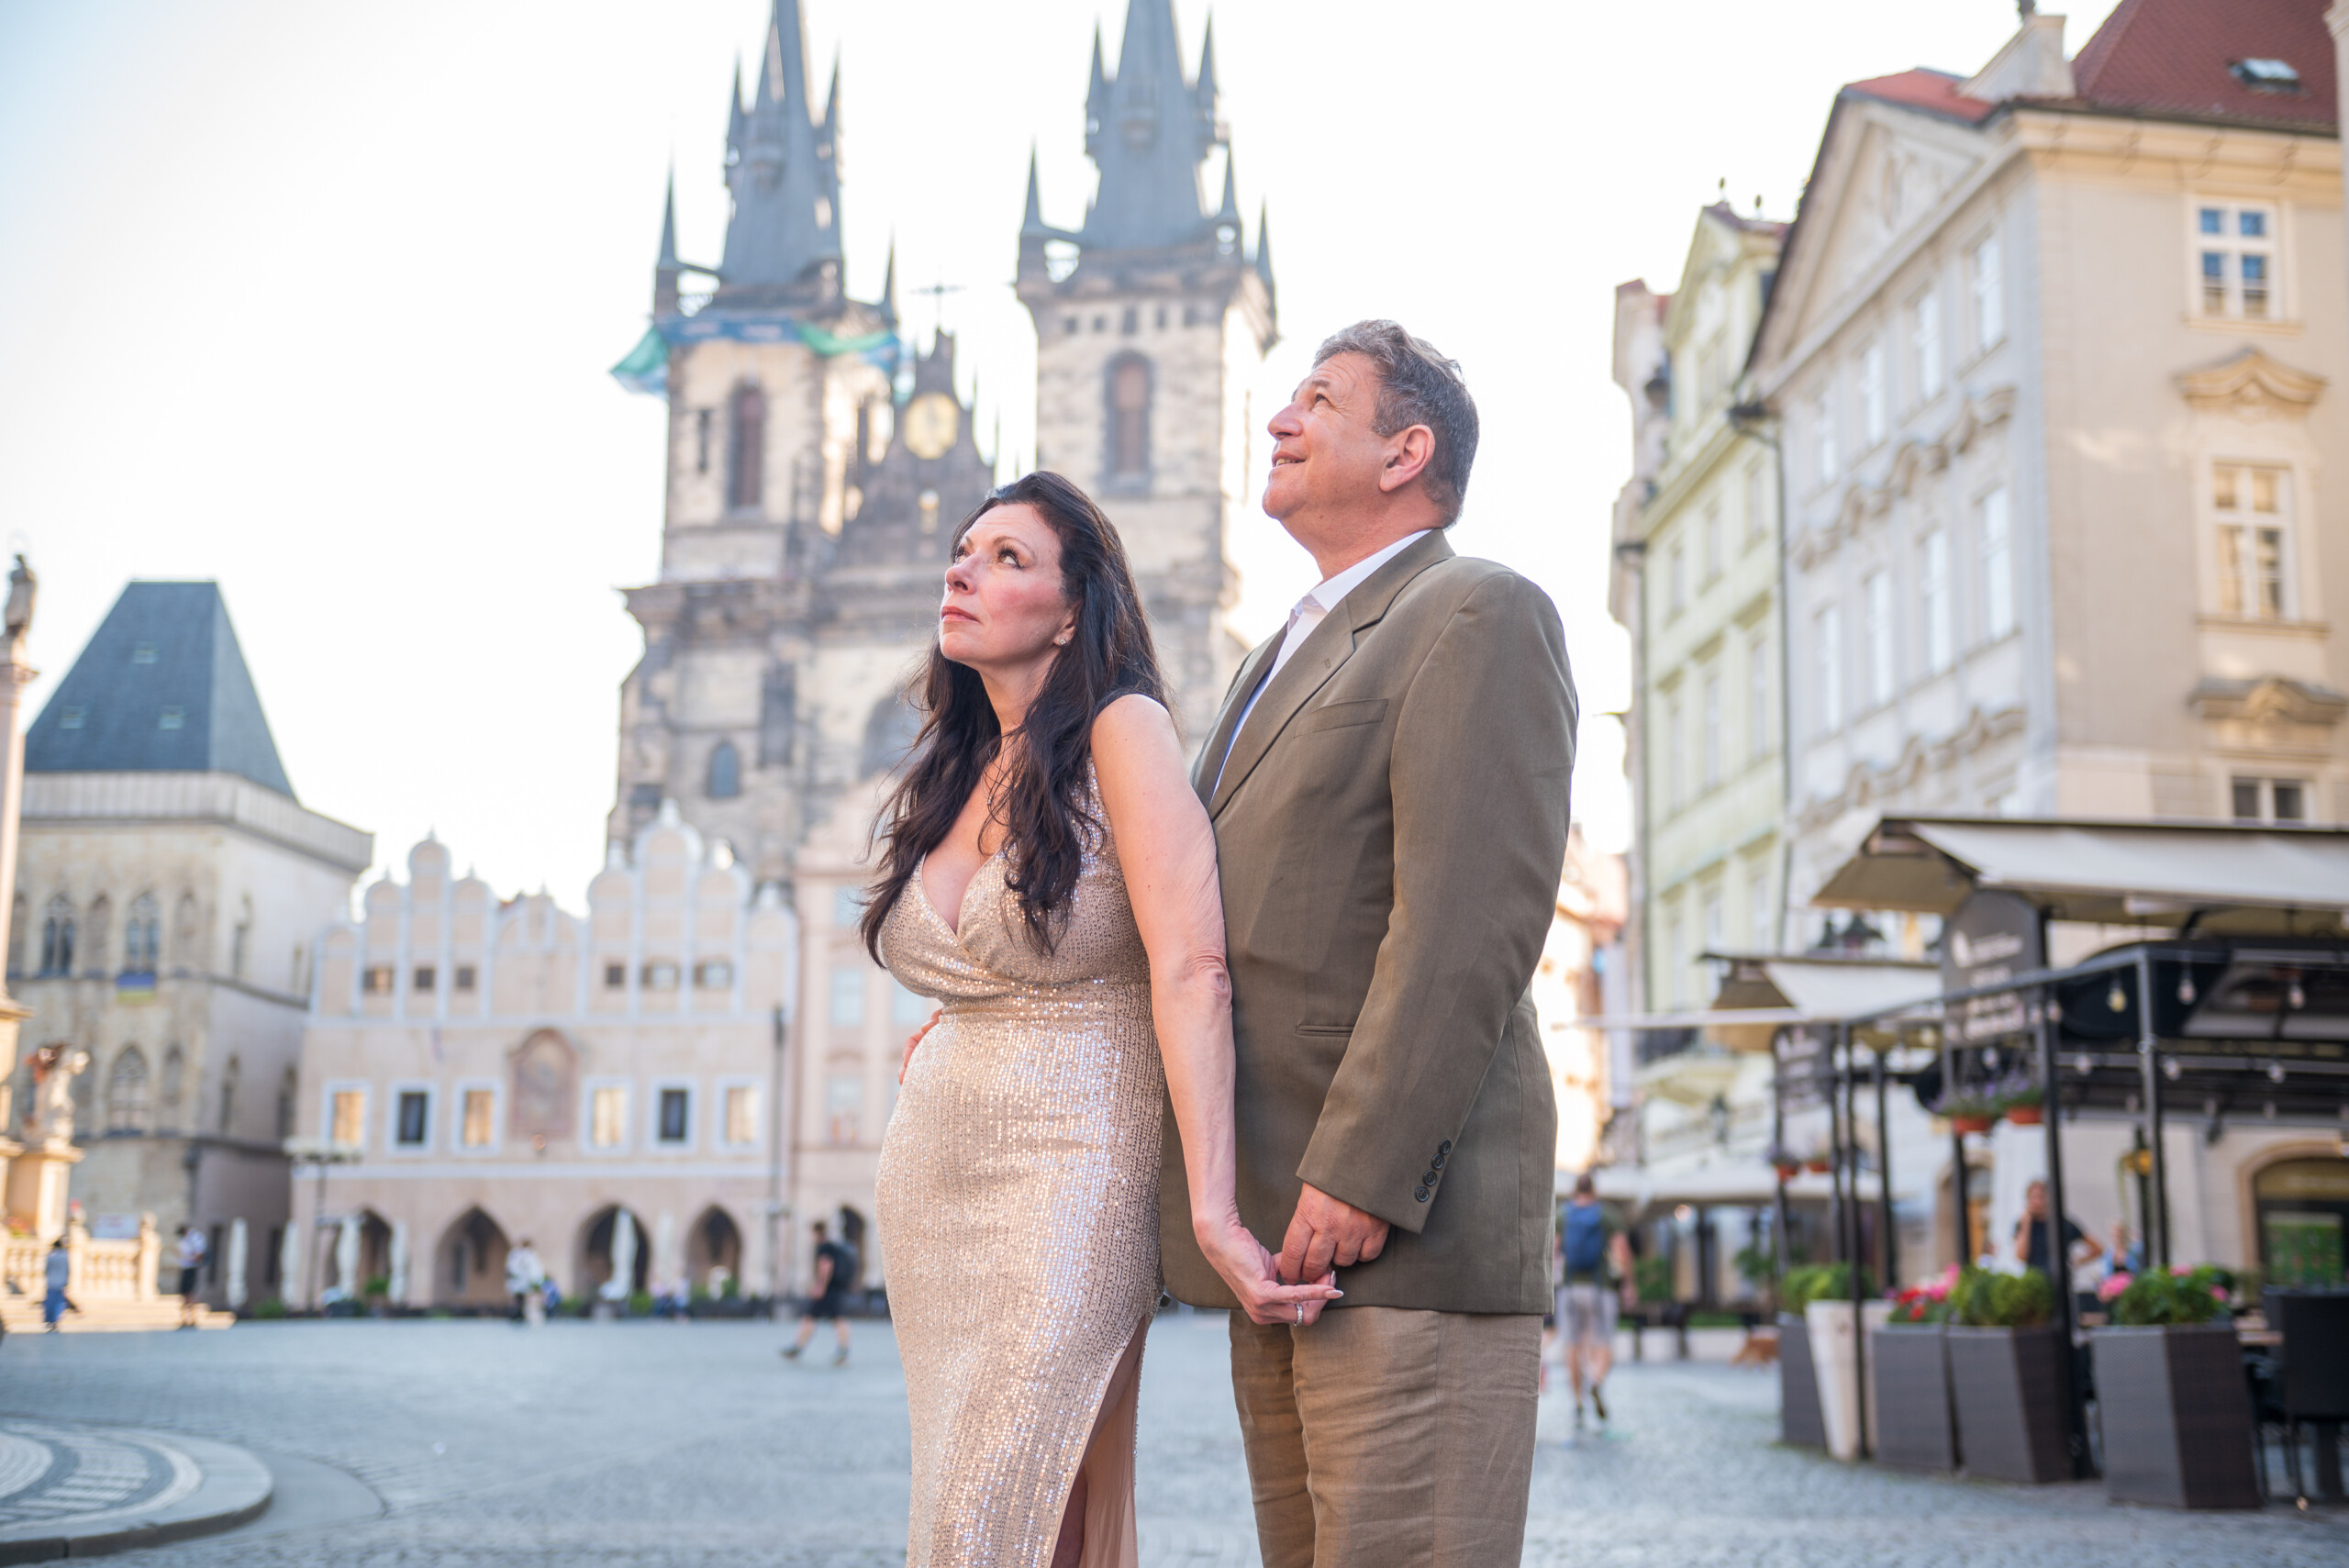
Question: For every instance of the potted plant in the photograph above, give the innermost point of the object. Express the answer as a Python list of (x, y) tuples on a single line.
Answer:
[(2170, 1392), (1832, 1327), (1800, 1420), (1786, 1163), (2006, 1371), (2022, 1099), (1819, 1161), (1968, 1110), (1909, 1358)]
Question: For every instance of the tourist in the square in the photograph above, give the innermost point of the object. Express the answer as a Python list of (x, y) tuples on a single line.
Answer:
[(2031, 1248), (835, 1266), (57, 1269), (1593, 1259), (524, 1275), (1047, 872), (190, 1255), (1388, 783)]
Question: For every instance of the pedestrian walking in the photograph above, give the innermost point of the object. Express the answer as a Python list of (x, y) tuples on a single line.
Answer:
[(835, 1266), (1595, 1259), (525, 1276), (58, 1268), (191, 1262)]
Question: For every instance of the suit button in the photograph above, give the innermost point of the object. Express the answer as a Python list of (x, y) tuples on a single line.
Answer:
[(1427, 1180), (1445, 1147), (1421, 1193), (1438, 1162)]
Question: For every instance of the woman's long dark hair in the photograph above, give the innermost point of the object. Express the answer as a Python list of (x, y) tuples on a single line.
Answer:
[(1042, 806)]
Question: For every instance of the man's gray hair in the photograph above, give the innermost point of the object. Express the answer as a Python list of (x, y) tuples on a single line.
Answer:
[(1416, 385)]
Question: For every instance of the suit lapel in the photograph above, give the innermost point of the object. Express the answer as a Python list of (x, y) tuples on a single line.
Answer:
[(1235, 703), (1321, 657)]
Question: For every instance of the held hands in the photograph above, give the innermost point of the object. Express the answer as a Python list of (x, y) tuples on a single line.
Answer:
[(1327, 1233), (914, 1040), (1249, 1270)]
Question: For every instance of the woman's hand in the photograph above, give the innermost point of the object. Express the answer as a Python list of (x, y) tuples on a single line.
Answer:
[(915, 1038), (1251, 1272)]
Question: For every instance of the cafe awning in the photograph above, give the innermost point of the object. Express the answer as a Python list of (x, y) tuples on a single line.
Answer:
[(1807, 986), (2107, 872)]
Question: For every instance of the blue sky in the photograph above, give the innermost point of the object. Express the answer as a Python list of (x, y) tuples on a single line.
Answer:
[(318, 300)]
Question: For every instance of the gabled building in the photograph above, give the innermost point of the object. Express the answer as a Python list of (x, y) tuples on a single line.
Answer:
[(170, 890), (1697, 545), (2056, 350)]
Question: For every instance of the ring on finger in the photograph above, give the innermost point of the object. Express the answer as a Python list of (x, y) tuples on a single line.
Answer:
[(1300, 1312)]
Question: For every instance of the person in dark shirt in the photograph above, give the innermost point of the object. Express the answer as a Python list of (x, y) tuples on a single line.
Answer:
[(835, 1265), (2031, 1239)]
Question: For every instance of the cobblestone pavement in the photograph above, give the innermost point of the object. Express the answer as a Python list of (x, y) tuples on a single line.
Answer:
[(667, 1446)]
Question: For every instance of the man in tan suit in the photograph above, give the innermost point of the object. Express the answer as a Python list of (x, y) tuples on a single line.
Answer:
[(1388, 783)]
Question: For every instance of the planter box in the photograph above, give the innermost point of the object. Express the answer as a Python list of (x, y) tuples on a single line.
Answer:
[(1831, 1345), (2177, 1416), (2007, 1388), (1799, 1419), (1916, 1428)]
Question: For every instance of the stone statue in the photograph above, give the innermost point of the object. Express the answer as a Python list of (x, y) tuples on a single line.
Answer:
[(23, 587), (54, 1069)]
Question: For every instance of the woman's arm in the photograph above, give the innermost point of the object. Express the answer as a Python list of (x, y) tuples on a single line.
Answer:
[(1166, 850)]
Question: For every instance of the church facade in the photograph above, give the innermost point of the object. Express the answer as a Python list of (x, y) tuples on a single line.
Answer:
[(666, 1092)]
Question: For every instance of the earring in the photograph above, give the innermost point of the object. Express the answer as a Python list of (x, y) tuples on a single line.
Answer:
[(1062, 640)]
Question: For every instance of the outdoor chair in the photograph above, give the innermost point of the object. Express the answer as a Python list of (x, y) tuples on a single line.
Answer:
[(2306, 1380)]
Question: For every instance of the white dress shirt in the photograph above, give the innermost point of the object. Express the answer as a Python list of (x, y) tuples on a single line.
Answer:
[(1308, 613)]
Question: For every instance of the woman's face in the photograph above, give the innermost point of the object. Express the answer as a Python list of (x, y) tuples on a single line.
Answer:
[(1005, 609)]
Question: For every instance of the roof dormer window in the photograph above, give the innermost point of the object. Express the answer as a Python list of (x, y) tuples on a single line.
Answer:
[(2265, 76), (73, 717), (143, 654), (173, 718)]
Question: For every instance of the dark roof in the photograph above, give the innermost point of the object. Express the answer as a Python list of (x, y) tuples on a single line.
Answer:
[(1149, 128), (2178, 57), (1932, 91), (161, 687), (782, 170)]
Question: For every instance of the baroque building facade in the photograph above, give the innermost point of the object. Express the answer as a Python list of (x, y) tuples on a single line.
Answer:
[(170, 890), (2056, 350)]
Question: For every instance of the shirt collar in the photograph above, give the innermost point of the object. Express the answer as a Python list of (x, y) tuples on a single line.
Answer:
[(1331, 591)]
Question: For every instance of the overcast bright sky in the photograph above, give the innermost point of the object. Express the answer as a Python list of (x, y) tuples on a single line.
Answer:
[(317, 300)]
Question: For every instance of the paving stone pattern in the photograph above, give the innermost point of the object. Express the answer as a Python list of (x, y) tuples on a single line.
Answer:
[(667, 1446)]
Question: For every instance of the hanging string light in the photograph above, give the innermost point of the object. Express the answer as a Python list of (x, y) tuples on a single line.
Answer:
[(2185, 986), (2117, 999)]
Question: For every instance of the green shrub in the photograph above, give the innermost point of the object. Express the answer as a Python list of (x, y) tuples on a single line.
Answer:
[(1983, 1298), (1653, 1277), (2176, 1295), (1822, 1282), (639, 1304), (380, 1285), (270, 1308)]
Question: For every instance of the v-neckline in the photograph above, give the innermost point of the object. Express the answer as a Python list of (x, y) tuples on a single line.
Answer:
[(921, 887)]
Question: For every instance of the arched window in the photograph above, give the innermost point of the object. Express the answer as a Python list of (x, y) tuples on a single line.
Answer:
[(174, 1069), (746, 447), (142, 935), (228, 1095), (1130, 392), (57, 937), (127, 1110), (287, 1088), (725, 772), (185, 935)]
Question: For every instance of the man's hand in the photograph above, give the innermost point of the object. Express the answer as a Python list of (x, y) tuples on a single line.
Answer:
[(1326, 1233), (914, 1040)]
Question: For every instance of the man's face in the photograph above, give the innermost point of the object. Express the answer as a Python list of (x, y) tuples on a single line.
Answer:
[(2034, 1201), (1327, 455)]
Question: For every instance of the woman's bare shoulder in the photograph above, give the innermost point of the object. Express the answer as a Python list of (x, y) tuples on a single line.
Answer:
[(1134, 721)]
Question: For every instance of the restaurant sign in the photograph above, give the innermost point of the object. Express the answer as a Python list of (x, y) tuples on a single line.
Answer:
[(1992, 938)]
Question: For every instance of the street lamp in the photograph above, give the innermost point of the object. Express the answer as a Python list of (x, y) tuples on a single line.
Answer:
[(319, 1152)]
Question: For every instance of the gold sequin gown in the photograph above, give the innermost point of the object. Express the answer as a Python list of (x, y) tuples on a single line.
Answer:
[(1018, 1211)]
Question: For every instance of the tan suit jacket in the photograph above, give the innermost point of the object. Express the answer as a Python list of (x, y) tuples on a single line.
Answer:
[(1390, 827)]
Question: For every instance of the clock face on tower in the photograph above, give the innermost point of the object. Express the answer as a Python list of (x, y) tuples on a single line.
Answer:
[(931, 423)]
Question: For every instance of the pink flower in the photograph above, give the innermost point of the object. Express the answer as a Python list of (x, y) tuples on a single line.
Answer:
[(2220, 1291), (2112, 1286), (2180, 1270)]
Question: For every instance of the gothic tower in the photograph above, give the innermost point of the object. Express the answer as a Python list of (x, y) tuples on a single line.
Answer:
[(773, 378), (1150, 321)]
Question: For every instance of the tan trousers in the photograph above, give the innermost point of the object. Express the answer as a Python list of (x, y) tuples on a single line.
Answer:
[(1382, 1438)]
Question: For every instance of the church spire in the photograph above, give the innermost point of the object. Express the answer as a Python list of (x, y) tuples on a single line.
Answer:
[(665, 269), (1264, 244), (1147, 129), (889, 283), (786, 207), (1032, 220)]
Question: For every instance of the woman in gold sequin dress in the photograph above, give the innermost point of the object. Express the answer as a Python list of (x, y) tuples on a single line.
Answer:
[(1048, 875)]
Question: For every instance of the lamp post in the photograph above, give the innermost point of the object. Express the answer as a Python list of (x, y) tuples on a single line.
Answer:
[(317, 1154)]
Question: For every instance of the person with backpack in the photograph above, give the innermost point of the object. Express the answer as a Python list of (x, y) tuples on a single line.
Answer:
[(1594, 1259)]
